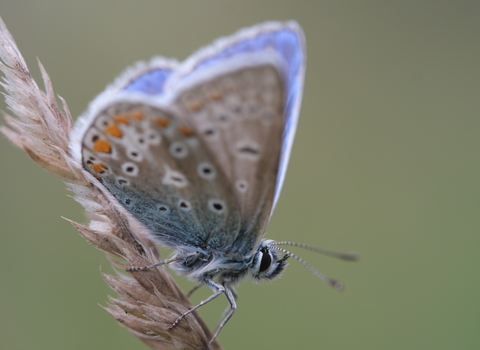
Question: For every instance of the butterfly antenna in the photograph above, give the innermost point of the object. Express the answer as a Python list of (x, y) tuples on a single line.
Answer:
[(350, 256), (334, 283)]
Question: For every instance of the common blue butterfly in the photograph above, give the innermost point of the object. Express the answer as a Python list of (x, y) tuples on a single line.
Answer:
[(196, 152)]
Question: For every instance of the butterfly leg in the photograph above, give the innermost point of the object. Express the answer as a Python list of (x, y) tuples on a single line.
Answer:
[(231, 295), (168, 261), (194, 289), (228, 308), (212, 284)]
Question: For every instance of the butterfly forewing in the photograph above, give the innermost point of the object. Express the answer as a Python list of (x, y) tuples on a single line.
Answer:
[(202, 173), (239, 116)]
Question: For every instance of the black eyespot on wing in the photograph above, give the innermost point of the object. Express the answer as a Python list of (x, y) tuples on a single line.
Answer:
[(206, 171), (248, 150), (217, 206), (130, 169), (178, 150), (122, 181), (164, 209), (223, 118), (184, 205), (209, 132), (241, 185), (177, 178)]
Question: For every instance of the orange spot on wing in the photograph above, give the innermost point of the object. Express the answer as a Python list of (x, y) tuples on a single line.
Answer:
[(122, 118), (138, 115), (185, 130), (113, 130), (162, 122), (195, 106), (98, 168), (102, 146), (215, 95)]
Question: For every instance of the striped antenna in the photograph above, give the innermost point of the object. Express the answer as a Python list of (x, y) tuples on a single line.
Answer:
[(334, 283), (350, 256)]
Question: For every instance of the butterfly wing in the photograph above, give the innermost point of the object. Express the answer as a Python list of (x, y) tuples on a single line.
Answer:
[(199, 156), (158, 170), (239, 117), (284, 39), (287, 41), (147, 78)]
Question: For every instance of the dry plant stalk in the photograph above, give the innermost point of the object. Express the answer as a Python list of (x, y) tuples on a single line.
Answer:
[(149, 302)]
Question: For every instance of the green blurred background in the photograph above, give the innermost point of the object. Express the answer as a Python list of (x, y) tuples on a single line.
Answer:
[(386, 162)]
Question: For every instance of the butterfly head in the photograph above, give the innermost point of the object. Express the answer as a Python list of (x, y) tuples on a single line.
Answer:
[(267, 262)]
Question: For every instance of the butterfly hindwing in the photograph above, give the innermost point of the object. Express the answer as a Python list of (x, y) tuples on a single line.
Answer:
[(156, 167)]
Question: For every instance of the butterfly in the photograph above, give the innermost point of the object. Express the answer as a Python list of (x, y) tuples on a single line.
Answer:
[(197, 151)]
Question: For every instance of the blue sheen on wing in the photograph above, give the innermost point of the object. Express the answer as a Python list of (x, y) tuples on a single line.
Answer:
[(150, 82), (285, 41), (288, 43)]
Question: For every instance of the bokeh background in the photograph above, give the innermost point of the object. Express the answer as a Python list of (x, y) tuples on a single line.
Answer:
[(386, 162)]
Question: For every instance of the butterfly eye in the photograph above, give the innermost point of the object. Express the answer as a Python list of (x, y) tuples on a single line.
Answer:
[(266, 261)]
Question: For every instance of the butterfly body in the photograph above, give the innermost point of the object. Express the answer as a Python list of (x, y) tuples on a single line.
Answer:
[(196, 152)]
